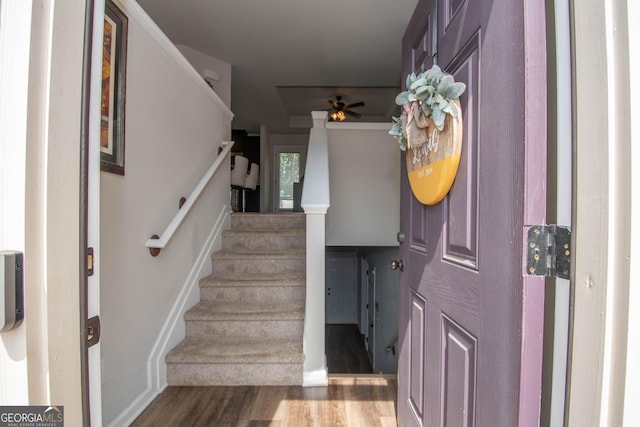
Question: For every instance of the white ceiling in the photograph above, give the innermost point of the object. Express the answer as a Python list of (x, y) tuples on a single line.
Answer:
[(289, 56)]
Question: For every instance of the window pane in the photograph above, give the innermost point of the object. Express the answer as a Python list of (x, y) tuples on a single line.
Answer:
[(289, 174)]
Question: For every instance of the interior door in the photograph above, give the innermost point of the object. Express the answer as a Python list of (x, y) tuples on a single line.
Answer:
[(340, 289), (465, 356)]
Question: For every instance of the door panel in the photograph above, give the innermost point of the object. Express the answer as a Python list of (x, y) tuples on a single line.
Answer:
[(461, 206), (418, 357), (418, 221), (458, 382), (462, 288)]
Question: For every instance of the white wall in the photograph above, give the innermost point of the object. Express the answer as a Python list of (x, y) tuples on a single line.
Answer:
[(174, 125), (202, 62), (364, 166)]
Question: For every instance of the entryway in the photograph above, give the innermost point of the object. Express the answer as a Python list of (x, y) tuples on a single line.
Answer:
[(345, 350), (361, 314)]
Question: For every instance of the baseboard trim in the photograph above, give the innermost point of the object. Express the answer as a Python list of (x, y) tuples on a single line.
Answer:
[(139, 404), (318, 378), (173, 330)]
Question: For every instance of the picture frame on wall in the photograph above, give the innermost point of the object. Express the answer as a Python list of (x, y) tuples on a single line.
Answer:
[(112, 104)]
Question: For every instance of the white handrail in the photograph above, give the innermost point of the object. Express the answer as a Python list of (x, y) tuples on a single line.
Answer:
[(155, 244)]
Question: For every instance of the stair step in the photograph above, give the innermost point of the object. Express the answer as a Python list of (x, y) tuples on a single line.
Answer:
[(249, 293), (263, 240), (235, 361), (271, 288), (236, 350), (245, 319), (247, 328), (243, 310), (267, 221), (253, 280), (258, 263)]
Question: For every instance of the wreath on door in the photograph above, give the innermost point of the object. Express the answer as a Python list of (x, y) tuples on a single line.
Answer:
[(430, 130)]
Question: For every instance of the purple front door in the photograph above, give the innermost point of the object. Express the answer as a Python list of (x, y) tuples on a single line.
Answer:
[(470, 317)]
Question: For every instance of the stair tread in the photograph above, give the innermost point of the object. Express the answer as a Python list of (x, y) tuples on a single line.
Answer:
[(261, 232), (242, 310), (275, 221), (280, 214), (236, 350), (253, 279), (248, 326), (266, 254)]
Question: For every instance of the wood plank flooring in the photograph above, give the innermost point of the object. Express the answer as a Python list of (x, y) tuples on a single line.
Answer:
[(364, 401), (344, 347)]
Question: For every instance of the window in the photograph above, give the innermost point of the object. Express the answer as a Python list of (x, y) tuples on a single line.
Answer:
[(289, 164)]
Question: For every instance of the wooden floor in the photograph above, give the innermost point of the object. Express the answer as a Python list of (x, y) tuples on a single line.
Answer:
[(344, 348), (348, 401)]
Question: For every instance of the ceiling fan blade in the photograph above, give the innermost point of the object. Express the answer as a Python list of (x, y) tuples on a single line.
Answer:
[(353, 114), (334, 104), (357, 104)]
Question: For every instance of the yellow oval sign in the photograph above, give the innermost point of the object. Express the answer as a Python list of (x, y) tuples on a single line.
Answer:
[(433, 164)]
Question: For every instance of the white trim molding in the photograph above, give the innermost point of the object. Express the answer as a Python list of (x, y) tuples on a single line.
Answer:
[(319, 378), (173, 330), (133, 9), (603, 220)]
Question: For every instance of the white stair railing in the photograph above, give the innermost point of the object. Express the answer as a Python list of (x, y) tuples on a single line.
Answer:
[(157, 243), (315, 202)]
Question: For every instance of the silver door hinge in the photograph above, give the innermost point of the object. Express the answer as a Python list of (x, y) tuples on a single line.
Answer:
[(549, 251)]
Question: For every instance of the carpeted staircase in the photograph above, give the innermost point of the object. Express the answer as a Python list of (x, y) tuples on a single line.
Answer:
[(248, 327)]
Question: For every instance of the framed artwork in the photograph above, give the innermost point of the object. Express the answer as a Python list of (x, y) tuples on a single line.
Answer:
[(114, 65)]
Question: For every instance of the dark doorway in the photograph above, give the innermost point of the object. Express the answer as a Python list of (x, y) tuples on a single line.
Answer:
[(344, 347)]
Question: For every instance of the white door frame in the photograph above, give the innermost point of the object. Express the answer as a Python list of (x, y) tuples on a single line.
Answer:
[(604, 382), (42, 86), (93, 235)]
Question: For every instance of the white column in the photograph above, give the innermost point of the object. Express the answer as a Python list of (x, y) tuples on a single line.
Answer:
[(315, 369), (315, 202)]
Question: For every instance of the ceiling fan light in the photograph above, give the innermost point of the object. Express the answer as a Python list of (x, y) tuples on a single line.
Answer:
[(341, 116)]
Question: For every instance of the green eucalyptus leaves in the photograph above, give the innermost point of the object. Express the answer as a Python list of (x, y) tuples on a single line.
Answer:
[(429, 95)]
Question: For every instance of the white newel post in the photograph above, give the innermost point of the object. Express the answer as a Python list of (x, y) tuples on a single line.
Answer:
[(315, 202)]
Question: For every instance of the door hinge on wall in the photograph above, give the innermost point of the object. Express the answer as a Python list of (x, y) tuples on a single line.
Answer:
[(549, 251)]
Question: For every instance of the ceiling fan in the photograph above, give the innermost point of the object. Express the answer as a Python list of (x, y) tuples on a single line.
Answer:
[(341, 110)]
